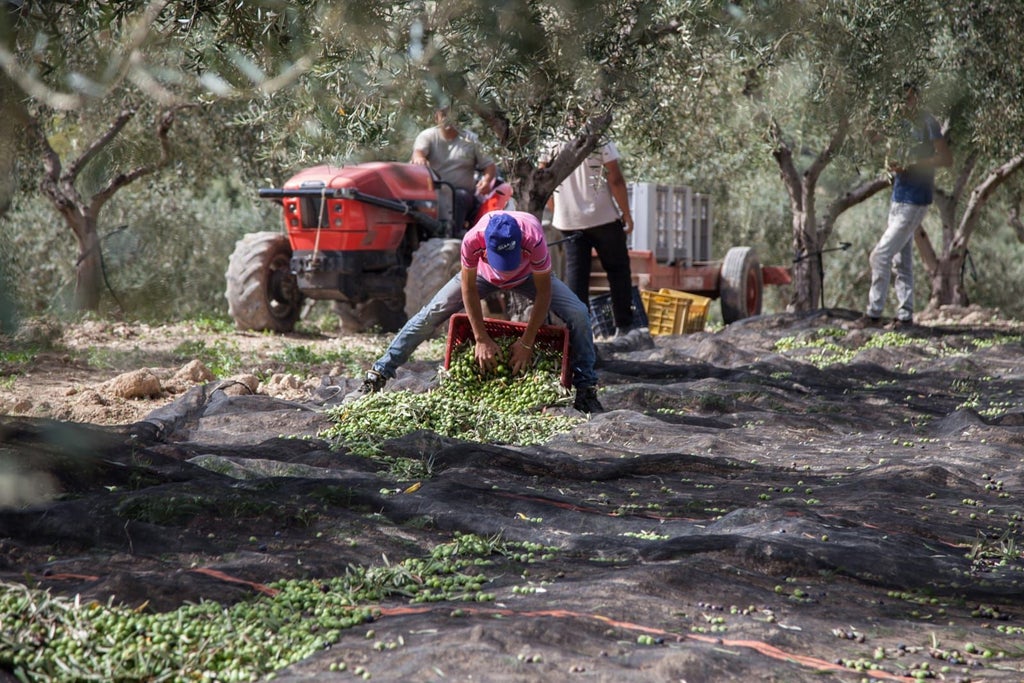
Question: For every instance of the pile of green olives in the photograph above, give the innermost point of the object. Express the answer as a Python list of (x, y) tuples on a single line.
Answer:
[(494, 407)]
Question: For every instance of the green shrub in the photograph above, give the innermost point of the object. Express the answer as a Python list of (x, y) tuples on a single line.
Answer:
[(164, 252)]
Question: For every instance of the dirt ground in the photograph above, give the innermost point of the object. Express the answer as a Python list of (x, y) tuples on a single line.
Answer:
[(110, 373), (745, 510)]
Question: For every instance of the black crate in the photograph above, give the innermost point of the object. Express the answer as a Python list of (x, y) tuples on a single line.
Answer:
[(602, 321)]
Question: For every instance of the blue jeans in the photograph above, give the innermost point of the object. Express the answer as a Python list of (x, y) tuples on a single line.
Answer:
[(448, 301), (895, 250)]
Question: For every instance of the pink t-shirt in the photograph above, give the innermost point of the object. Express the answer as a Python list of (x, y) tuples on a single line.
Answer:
[(536, 257)]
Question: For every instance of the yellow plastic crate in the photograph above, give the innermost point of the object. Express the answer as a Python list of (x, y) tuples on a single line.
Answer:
[(697, 313), (666, 314)]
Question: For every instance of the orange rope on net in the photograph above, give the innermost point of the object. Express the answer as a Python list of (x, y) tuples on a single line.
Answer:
[(755, 645)]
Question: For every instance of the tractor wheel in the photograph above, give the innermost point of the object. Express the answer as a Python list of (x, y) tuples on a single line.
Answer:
[(262, 292), (382, 315), (433, 265), (741, 284)]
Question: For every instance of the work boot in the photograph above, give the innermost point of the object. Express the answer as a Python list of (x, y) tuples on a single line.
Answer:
[(642, 339), (586, 400), (631, 339), (373, 382), (865, 322), (619, 341), (898, 324)]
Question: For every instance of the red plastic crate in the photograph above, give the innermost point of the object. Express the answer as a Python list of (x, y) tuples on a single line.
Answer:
[(552, 337)]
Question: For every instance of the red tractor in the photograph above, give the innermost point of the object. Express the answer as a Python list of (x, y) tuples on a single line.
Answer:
[(373, 238)]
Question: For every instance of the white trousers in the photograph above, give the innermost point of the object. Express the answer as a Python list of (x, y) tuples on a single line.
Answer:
[(895, 252)]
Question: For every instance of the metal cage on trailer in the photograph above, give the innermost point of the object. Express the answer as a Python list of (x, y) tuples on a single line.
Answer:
[(670, 251)]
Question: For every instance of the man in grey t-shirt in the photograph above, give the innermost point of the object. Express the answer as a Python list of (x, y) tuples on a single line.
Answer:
[(455, 156)]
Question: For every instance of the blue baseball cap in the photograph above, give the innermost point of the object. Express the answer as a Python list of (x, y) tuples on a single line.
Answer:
[(504, 242)]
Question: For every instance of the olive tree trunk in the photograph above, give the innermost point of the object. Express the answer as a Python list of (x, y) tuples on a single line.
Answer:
[(89, 271), (81, 214), (945, 266), (533, 186), (808, 233), (811, 232)]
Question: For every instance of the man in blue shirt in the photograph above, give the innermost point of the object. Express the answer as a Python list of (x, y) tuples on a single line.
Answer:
[(912, 189)]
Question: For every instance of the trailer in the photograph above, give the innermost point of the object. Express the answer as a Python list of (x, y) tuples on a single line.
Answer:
[(670, 249)]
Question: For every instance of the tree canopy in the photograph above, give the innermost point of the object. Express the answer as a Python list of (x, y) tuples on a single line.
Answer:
[(276, 85)]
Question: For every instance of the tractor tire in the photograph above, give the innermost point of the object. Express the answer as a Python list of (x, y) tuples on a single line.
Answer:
[(373, 315), (741, 285), (262, 292), (433, 265)]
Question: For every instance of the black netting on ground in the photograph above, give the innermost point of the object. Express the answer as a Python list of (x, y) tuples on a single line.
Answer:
[(727, 473)]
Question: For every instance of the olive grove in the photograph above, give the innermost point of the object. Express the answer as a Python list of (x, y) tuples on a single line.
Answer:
[(99, 88), (821, 81), (99, 96)]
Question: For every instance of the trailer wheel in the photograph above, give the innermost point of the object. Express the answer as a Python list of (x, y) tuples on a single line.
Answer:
[(433, 265), (385, 315), (741, 284), (262, 292)]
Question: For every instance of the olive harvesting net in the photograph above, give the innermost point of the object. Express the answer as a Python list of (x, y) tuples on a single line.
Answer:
[(781, 500)]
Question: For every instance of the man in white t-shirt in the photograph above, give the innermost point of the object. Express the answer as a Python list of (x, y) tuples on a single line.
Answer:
[(455, 156), (592, 204)]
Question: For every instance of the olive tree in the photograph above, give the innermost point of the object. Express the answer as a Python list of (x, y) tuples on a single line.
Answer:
[(980, 47), (520, 67), (94, 90), (820, 78)]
